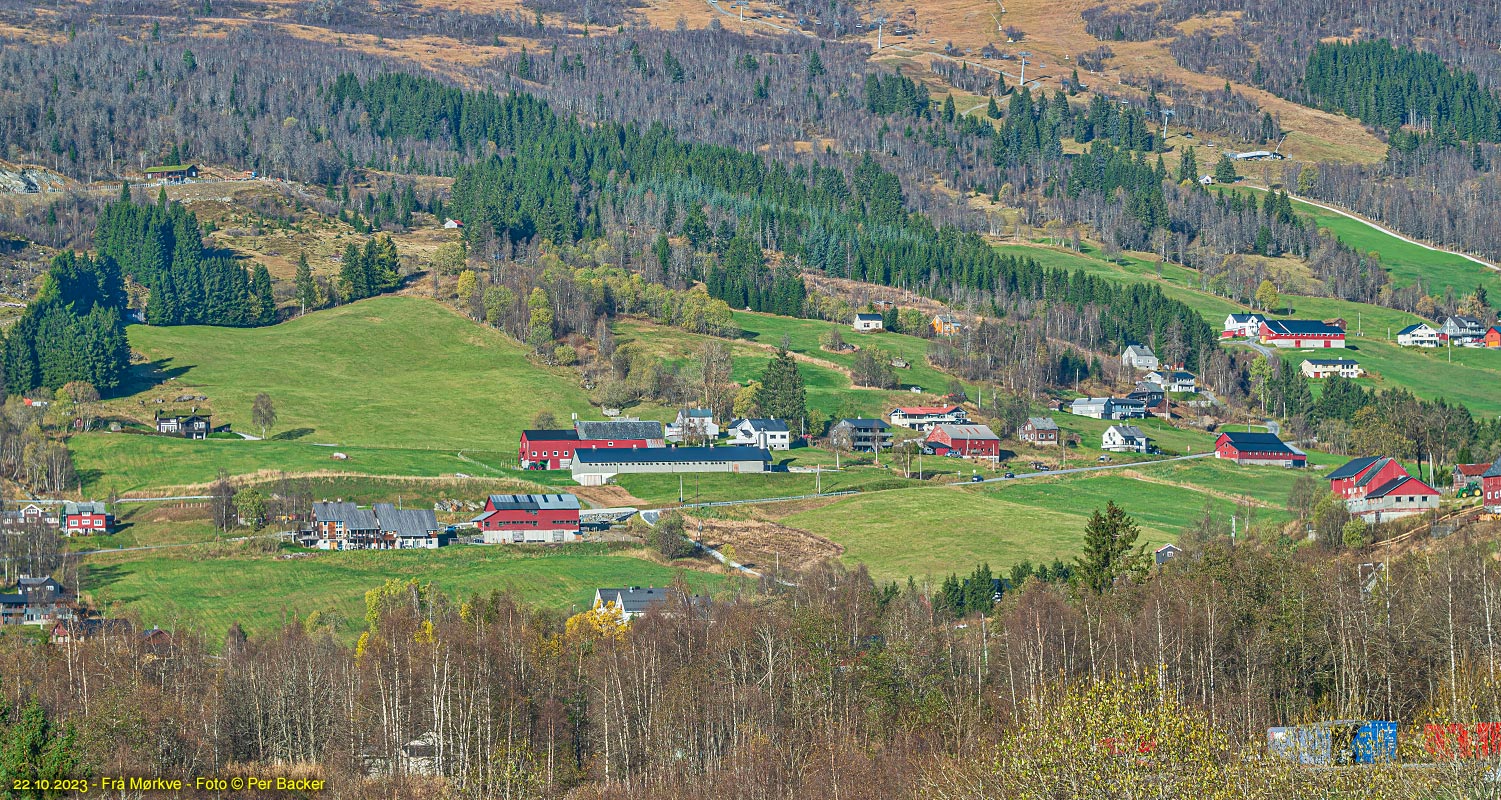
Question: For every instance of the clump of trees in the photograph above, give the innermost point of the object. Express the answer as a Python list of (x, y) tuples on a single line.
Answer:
[(73, 331)]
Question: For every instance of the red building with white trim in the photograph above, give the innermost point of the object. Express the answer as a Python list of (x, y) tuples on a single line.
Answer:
[(1355, 477), (529, 518), (965, 440), (86, 519), (1378, 489), (554, 449), (1490, 487), (1301, 333), (1258, 448)]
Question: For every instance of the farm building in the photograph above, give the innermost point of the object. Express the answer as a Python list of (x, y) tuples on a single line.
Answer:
[(866, 435), (772, 434), (1419, 335), (1139, 356), (1257, 448), (173, 173), (1301, 333), (346, 526), (1490, 487), (1125, 439), (964, 440), (693, 423), (553, 449), (1108, 408), (922, 418), (1242, 325), (86, 519), (618, 430), (529, 518), (1492, 337), (1378, 489), (598, 467), (188, 426), (1317, 368), (865, 323), (1041, 431)]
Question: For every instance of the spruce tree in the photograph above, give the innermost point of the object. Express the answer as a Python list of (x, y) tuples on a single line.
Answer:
[(782, 394), (307, 291), (1110, 549)]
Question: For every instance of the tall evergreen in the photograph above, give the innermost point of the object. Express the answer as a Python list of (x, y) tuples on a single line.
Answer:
[(782, 394), (1110, 549)]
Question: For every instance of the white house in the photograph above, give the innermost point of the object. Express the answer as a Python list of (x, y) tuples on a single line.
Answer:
[(1243, 325), (1173, 381), (1108, 408), (771, 434), (1419, 335), (1139, 356), (453, 224), (1325, 367), (1125, 439), (865, 323), (922, 418), (693, 423)]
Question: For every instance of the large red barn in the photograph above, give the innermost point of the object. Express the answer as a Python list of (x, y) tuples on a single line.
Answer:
[(1301, 333), (1490, 487), (533, 518), (554, 449), (1258, 448), (1355, 477), (965, 440)]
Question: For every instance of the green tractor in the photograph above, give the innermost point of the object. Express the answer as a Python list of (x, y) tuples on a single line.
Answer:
[(1471, 489)]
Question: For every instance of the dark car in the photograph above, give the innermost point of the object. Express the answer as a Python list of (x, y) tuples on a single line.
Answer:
[(1009, 475), (976, 478)]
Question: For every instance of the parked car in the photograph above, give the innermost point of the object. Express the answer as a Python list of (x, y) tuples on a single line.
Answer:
[(1009, 475), (976, 478), (1103, 459)]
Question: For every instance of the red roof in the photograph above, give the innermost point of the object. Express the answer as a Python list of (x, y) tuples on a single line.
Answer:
[(1472, 470), (914, 410)]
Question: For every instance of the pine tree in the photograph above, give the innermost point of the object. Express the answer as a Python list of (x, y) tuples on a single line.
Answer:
[(1188, 166), (783, 396), (263, 300), (1224, 171)]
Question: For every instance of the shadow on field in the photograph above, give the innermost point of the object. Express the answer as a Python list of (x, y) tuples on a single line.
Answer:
[(287, 436)]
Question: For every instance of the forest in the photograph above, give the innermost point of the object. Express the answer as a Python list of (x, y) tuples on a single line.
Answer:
[(826, 681)]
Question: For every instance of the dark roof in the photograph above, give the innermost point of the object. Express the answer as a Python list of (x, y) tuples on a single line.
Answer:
[(1302, 327), (1353, 468), (1371, 474), (533, 502), (353, 517), (551, 435), (1494, 471), (771, 425), (619, 429), (1332, 362), (642, 455), (1127, 431), (88, 628), (170, 168), (1392, 486), (872, 424), (1043, 423), (12, 599), (1258, 442), (1246, 317), (70, 508), (635, 600), (868, 317), (407, 523), (1411, 328)]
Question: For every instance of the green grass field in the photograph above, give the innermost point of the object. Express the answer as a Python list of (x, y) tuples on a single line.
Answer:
[(390, 372), (931, 532), (195, 589), (131, 463), (803, 335)]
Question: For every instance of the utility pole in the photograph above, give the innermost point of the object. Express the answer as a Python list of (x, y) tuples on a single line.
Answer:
[(1024, 55)]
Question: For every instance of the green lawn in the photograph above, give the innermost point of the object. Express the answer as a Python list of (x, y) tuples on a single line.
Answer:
[(803, 335), (389, 372), (714, 487), (182, 589)]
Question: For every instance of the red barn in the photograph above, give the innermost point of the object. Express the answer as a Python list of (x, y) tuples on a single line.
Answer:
[(1355, 478), (965, 440), (1490, 487), (1257, 448), (1492, 337), (1301, 333), (549, 449), (529, 518), (86, 519)]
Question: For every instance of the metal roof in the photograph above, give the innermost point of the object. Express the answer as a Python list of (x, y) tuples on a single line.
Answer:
[(70, 508), (551, 435), (619, 429), (768, 425), (868, 317), (1353, 468), (1043, 423), (1494, 471), (647, 455), (1259, 442), (634, 599), (1302, 327), (406, 523), (967, 432), (534, 502), (1127, 431), (861, 422), (353, 517)]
